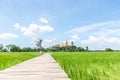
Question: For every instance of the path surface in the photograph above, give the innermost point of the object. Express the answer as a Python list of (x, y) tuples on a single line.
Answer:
[(41, 68)]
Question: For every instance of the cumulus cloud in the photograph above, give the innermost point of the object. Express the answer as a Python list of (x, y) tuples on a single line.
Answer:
[(8, 35), (43, 20), (46, 28), (93, 39), (100, 42), (33, 29), (75, 37)]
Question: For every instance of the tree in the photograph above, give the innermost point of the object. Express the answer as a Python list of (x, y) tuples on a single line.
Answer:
[(79, 49), (87, 48), (9, 47), (4, 50), (74, 48), (39, 44), (35, 50), (108, 49), (13, 48), (26, 49), (1, 47)]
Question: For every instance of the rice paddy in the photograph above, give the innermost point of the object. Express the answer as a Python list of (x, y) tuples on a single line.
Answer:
[(90, 65), (8, 59)]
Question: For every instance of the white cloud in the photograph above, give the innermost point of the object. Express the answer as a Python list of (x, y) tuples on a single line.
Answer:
[(108, 32), (80, 29), (43, 20), (75, 37), (30, 30), (103, 27), (46, 28), (33, 29), (33, 40), (8, 35), (17, 26), (48, 41), (72, 40), (100, 42), (93, 39)]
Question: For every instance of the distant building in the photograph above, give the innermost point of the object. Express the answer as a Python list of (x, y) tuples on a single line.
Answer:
[(72, 43), (66, 44)]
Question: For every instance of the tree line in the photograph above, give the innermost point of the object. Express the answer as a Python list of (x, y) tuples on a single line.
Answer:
[(67, 49), (76, 49), (15, 48)]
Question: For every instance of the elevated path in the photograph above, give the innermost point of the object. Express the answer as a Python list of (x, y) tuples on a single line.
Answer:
[(43, 67)]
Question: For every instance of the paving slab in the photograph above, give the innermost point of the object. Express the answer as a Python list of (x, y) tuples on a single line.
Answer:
[(43, 67)]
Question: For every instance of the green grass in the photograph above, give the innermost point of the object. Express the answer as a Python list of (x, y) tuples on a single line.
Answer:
[(90, 65), (8, 59)]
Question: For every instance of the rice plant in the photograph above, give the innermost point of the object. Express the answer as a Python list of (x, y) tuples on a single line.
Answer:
[(8, 59), (90, 65)]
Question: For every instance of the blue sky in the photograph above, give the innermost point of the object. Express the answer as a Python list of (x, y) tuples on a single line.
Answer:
[(93, 23)]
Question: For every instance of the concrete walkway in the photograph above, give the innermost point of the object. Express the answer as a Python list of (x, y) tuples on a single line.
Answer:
[(41, 68)]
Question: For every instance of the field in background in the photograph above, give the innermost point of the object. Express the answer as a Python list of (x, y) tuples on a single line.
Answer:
[(90, 65), (8, 59)]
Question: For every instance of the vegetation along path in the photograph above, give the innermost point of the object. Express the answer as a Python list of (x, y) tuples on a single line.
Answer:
[(41, 68)]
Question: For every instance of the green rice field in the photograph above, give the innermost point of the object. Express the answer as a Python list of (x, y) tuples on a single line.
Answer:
[(90, 65), (8, 59)]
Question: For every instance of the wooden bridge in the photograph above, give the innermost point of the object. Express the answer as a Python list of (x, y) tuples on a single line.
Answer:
[(40, 68)]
